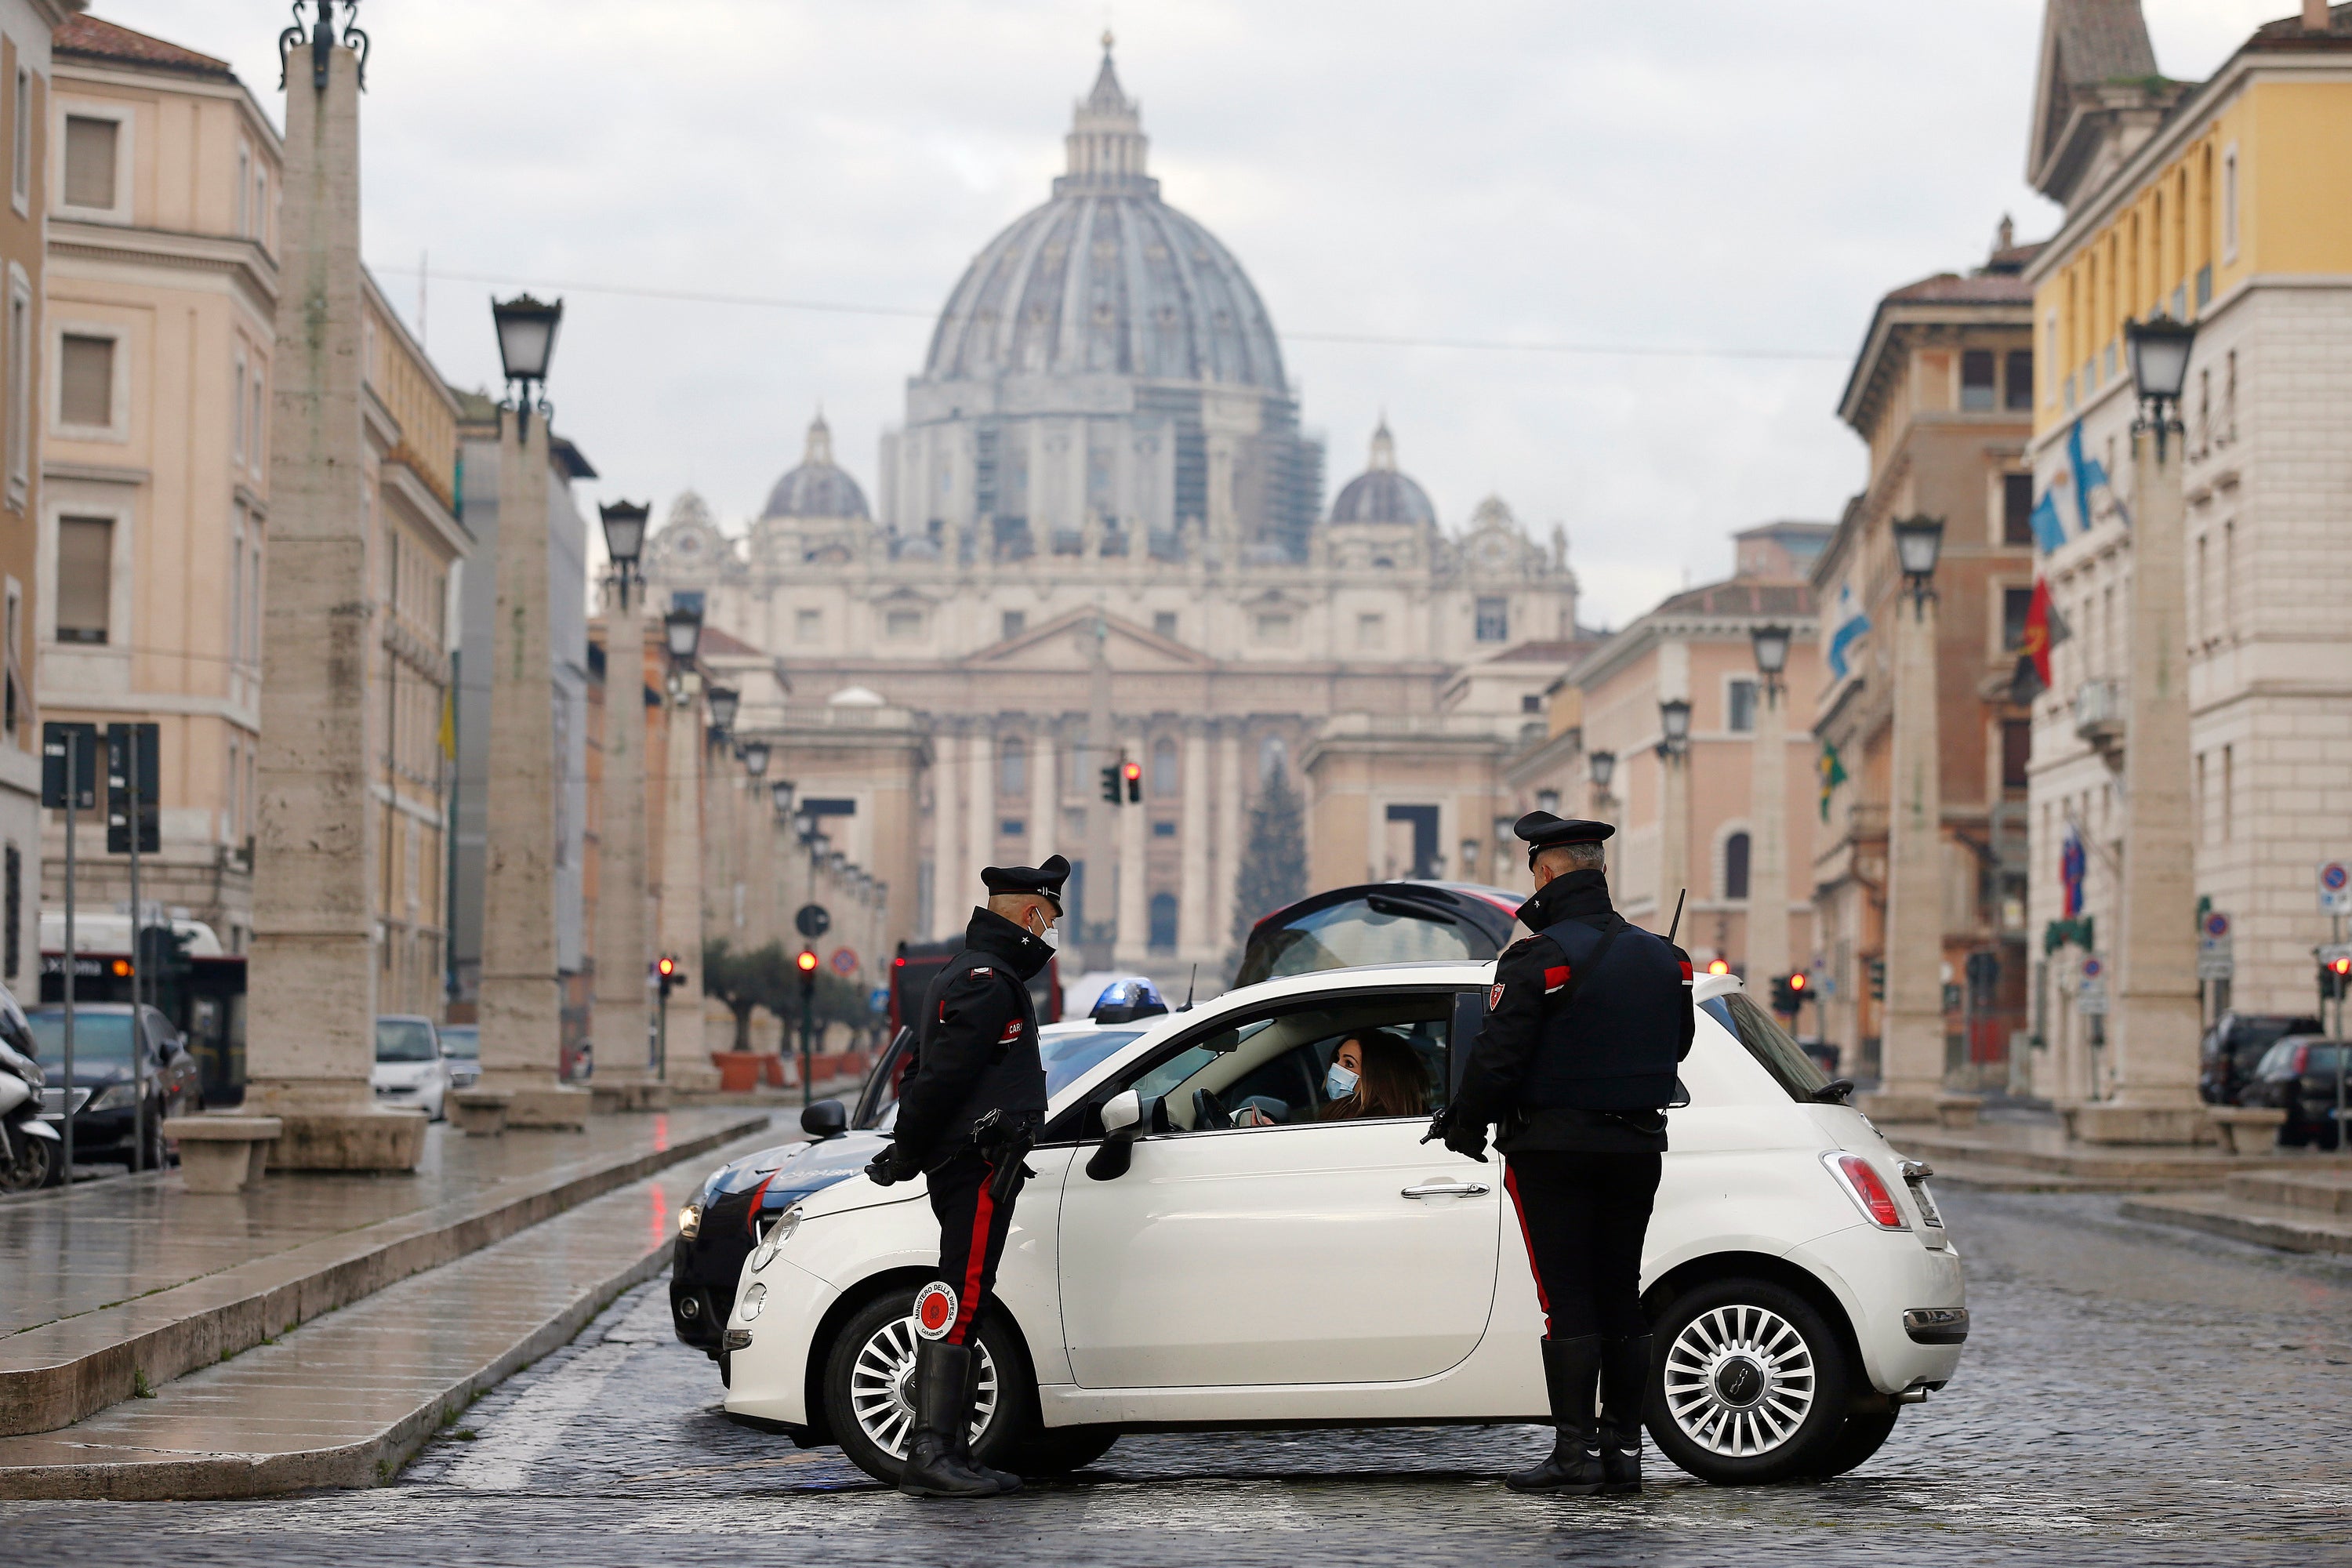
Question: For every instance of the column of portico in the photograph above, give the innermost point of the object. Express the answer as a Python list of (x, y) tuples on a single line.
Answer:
[(1195, 928), (1231, 833), (1132, 945), (980, 803), (948, 903), (622, 955), (1044, 793), (687, 1060)]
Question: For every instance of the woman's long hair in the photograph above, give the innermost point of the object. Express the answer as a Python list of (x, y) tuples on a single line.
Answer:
[(1392, 1083)]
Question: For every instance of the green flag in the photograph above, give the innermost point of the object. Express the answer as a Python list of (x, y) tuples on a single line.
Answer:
[(1832, 774)]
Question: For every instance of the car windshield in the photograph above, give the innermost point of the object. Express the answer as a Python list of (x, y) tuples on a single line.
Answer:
[(1370, 930), (404, 1040), (461, 1040), (1774, 1051), (99, 1038)]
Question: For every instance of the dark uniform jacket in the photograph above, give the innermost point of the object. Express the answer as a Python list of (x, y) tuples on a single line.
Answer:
[(1580, 1045), (977, 1048)]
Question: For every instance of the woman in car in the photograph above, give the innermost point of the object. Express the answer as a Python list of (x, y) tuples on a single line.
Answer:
[(1375, 1073)]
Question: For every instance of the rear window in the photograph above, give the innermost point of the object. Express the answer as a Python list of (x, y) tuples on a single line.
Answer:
[(2323, 1059), (1348, 935), (1774, 1051)]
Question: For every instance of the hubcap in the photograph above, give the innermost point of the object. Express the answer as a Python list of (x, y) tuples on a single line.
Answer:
[(882, 1387), (1739, 1381)]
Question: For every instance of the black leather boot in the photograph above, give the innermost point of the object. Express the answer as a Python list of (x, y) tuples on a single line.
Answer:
[(1005, 1480), (1624, 1379), (1570, 1369), (935, 1464)]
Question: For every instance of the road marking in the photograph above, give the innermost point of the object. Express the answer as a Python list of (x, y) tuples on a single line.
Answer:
[(523, 1433)]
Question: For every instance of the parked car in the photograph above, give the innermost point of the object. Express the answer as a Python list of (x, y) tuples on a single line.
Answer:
[(409, 1069), (109, 1051), (2298, 1075), (718, 1230), (1169, 1267), (461, 1048), (2234, 1046), (1380, 923)]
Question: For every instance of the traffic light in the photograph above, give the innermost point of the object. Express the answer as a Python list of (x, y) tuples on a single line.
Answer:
[(666, 969), (1788, 994), (806, 963), (1110, 787), (1133, 774), (2335, 973)]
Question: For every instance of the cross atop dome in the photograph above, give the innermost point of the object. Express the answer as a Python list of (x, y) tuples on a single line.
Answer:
[(1106, 144)]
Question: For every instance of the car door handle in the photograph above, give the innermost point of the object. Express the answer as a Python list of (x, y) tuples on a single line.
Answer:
[(1448, 1190)]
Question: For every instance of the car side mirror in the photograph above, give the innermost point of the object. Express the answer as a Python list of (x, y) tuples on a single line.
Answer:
[(825, 1119), (1125, 1116)]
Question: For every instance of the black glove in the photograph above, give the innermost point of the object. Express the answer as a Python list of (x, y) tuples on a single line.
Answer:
[(1461, 1139), (889, 1166)]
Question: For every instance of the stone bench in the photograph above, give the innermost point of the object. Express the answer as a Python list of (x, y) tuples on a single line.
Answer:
[(222, 1154), (2246, 1128)]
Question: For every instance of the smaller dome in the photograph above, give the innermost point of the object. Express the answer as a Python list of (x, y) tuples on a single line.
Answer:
[(1382, 494), (854, 697), (819, 486)]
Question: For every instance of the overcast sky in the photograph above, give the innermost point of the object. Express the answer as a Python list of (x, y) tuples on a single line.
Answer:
[(1739, 176)]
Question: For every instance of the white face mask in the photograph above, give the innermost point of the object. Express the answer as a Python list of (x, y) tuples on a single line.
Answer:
[(1050, 936), (1338, 1083)]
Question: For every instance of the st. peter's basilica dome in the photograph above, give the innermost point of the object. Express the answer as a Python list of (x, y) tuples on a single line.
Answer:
[(819, 486), (1382, 493)]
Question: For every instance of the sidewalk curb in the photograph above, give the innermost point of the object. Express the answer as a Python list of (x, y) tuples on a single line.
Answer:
[(2217, 1217), (224, 1314)]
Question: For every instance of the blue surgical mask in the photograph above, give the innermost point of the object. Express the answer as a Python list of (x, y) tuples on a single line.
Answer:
[(1338, 1083)]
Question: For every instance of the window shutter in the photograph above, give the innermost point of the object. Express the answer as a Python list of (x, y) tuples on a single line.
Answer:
[(85, 380), (89, 160), (85, 577)]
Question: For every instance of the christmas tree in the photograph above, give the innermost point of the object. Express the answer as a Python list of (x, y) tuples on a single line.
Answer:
[(1273, 866)]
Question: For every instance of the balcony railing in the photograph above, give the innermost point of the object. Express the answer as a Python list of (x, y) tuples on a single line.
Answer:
[(2099, 713)]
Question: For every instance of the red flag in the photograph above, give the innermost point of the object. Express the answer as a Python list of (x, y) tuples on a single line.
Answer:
[(2036, 643)]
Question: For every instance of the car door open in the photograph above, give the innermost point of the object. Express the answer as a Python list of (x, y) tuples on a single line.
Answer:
[(1300, 1249)]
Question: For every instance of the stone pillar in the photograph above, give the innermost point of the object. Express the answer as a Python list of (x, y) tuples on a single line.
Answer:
[(1231, 833), (1673, 838), (1768, 837), (688, 1065), (310, 1029), (1911, 1050), (2153, 1032), (624, 1048), (978, 803), (949, 901), (522, 1001), (1196, 930), (1044, 794), (1133, 945)]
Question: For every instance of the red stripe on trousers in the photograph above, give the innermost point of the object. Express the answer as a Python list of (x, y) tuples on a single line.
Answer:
[(1511, 1185), (983, 1209)]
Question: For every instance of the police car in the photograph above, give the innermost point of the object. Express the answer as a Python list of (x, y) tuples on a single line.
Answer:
[(1204, 1246)]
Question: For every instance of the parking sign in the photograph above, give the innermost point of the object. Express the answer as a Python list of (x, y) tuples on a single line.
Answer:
[(2335, 889)]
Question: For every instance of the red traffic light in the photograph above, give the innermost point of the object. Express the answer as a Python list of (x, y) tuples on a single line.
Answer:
[(1132, 772), (2340, 966), (666, 967), (1796, 981), (121, 968), (807, 961), (1718, 967)]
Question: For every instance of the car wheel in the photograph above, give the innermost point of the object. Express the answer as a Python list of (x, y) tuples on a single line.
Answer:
[(869, 1378), (1057, 1451), (1751, 1384), (1856, 1442)]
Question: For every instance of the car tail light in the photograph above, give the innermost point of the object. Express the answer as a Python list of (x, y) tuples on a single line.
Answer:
[(1864, 1184)]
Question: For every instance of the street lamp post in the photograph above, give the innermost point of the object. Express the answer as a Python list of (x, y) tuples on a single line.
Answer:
[(1767, 812), (1911, 1049), (2152, 1039), (623, 943), (1673, 752), (685, 1061)]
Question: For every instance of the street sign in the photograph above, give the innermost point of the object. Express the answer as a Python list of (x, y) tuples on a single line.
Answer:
[(878, 999), (2093, 969), (845, 961), (55, 737), (813, 920), (2093, 996), (2216, 955), (124, 791), (2215, 926), (2336, 889)]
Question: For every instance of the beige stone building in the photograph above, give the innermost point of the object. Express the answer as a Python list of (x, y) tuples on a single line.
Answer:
[(25, 28), (1099, 538), (1940, 395)]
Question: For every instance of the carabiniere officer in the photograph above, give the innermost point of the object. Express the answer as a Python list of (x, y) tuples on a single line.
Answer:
[(1585, 1023), (968, 1112)]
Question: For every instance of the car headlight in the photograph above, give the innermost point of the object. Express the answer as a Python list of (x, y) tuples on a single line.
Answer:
[(115, 1096), (689, 1221), (778, 1233), (753, 1300)]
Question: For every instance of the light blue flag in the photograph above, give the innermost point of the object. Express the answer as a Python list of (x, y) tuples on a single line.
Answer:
[(2049, 529), (1851, 626), (2088, 473)]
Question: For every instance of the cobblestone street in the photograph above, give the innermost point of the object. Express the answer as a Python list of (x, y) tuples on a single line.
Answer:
[(2132, 1394)]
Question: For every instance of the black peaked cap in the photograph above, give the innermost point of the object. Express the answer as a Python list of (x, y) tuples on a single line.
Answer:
[(1046, 881), (1541, 830)]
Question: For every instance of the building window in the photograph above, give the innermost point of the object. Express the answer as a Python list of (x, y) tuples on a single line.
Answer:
[(1163, 623), (2015, 602), (2017, 383), (1735, 866), (808, 625), (902, 625), (2017, 749), (1012, 827), (1013, 767), (244, 191), (1494, 620), (1741, 717), (1371, 631), (1976, 379), (20, 387), (85, 578), (1164, 922), (91, 147), (236, 406), (12, 662), (1012, 624), (1164, 830), (11, 909), (236, 591), (1163, 768), (85, 380), (1547, 800), (2229, 202), (20, 175), (2017, 509), (1275, 628), (257, 427), (1532, 703), (261, 207)]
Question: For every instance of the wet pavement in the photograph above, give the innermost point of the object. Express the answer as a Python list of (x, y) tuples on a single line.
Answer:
[(2132, 1394)]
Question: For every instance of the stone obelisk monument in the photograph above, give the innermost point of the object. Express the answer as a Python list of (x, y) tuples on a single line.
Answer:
[(311, 1024)]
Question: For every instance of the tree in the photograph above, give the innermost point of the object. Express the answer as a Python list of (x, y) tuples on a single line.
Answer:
[(1273, 866), (763, 977)]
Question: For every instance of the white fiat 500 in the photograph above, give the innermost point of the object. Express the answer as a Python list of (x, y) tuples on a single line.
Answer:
[(1201, 1247)]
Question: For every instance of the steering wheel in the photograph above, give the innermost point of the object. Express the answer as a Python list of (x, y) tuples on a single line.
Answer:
[(1208, 1114)]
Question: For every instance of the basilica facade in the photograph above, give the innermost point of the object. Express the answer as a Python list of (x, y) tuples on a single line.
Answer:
[(1099, 536)]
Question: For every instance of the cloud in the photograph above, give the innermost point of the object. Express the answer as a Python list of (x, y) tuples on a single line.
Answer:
[(1692, 173)]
